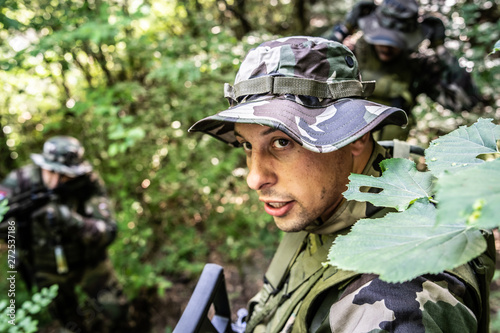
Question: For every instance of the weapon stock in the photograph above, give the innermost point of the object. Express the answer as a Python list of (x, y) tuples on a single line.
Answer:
[(211, 289)]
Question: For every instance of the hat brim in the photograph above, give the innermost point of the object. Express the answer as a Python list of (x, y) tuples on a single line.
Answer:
[(319, 129), (70, 171), (376, 34)]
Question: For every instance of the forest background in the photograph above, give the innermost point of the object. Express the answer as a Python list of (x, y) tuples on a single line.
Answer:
[(128, 78)]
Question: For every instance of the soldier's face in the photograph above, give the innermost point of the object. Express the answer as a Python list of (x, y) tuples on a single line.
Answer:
[(296, 185), (387, 53), (52, 179)]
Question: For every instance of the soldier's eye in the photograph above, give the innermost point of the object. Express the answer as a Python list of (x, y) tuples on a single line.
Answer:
[(281, 143), (246, 145)]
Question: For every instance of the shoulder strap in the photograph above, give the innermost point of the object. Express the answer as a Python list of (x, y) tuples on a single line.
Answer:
[(287, 251)]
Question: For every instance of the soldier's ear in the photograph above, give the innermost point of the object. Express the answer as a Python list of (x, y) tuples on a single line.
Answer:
[(362, 145)]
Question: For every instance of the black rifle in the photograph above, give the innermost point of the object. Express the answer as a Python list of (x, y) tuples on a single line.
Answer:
[(210, 290), (22, 205), (28, 201)]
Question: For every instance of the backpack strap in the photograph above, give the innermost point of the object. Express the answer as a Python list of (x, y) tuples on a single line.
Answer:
[(275, 279)]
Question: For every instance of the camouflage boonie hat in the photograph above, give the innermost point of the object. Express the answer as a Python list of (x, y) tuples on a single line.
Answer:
[(307, 87), (393, 23), (64, 155)]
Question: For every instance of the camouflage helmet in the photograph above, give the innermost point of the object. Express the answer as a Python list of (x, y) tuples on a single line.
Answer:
[(393, 23), (64, 155), (307, 87)]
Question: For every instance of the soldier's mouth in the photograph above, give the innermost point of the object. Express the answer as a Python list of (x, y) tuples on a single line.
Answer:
[(277, 204), (278, 209)]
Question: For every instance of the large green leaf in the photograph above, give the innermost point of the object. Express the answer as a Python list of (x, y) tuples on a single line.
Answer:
[(401, 184), (460, 148), (471, 196), (402, 246)]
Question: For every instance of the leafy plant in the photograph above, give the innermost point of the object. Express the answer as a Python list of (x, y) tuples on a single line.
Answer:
[(24, 317), (440, 212)]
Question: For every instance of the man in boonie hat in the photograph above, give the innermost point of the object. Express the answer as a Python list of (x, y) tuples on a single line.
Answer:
[(64, 224), (298, 110), (61, 159), (390, 51)]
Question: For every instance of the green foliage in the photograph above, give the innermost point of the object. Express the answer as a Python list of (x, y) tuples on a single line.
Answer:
[(24, 321), (403, 245), (471, 196), (421, 238), (473, 28), (128, 81), (402, 184), (458, 150)]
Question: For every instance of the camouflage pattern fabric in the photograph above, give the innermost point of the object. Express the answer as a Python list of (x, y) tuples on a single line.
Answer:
[(430, 303), (307, 87), (82, 226)]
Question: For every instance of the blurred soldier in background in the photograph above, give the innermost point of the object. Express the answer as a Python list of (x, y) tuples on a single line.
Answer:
[(389, 49), (64, 224)]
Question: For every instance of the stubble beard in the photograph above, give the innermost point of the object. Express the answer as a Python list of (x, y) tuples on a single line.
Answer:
[(304, 218), (295, 224)]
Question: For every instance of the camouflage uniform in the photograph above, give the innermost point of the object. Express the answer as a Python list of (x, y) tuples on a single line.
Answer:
[(310, 89), (65, 240), (434, 71)]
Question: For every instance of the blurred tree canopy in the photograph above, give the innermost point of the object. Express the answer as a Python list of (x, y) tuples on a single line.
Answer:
[(129, 77)]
